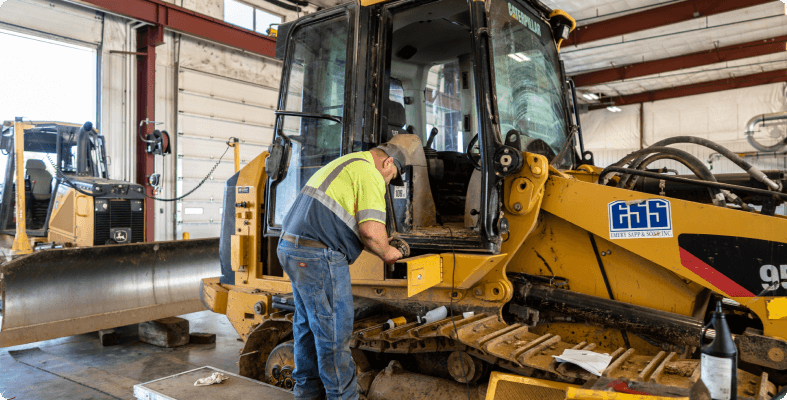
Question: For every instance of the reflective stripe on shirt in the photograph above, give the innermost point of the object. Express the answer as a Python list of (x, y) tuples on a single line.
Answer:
[(342, 194)]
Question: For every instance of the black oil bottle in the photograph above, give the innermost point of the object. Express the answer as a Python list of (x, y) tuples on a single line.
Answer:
[(719, 363)]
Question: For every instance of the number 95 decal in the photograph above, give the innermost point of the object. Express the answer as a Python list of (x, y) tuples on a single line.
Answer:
[(771, 276)]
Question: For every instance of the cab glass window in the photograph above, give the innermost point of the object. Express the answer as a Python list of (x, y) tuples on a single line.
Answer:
[(315, 85), (529, 91)]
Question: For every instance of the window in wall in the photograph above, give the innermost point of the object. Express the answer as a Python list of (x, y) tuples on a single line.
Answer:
[(263, 21), (249, 17), (38, 87)]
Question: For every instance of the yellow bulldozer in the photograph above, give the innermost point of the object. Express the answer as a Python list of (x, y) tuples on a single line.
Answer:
[(68, 199), (531, 248), (61, 278)]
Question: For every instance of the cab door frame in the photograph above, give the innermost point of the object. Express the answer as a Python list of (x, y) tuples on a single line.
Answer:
[(490, 240), (349, 116)]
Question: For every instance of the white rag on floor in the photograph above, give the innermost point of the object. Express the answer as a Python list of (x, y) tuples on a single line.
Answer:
[(590, 361), (217, 377)]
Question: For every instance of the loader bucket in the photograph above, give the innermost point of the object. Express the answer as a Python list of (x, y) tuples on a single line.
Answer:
[(63, 292)]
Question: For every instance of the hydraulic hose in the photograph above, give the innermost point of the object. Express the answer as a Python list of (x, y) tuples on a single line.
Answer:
[(692, 163), (662, 156), (750, 169), (727, 194), (638, 157), (750, 126), (657, 157), (686, 181)]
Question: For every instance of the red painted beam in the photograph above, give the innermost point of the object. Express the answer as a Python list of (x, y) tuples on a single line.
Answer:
[(147, 40), (762, 78), (188, 22), (654, 18), (707, 57)]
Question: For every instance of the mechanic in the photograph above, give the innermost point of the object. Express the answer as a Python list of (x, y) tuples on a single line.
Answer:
[(340, 211)]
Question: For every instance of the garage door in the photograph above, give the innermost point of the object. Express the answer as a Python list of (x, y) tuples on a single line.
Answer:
[(212, 109)]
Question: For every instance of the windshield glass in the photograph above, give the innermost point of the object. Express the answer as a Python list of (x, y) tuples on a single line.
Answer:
[(527, 78)]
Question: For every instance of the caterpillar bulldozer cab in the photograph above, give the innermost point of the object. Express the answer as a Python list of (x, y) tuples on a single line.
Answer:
[(504, 214), (68, 198), (419, 71)]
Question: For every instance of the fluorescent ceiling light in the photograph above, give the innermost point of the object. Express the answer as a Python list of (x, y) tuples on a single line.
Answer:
[(614, 109), (519, 57), (590, 96)]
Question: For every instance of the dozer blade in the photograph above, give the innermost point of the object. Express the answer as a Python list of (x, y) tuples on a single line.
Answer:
[(63, 292)]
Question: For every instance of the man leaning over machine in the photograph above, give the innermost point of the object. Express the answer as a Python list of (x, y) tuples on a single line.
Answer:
[(340, 211)]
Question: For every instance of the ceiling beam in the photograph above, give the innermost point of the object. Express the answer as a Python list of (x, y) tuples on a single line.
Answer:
[(654, 18), (179, 19), (707, 57), (762, 78)]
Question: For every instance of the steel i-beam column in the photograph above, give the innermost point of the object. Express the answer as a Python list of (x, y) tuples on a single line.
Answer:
[(148, 38)]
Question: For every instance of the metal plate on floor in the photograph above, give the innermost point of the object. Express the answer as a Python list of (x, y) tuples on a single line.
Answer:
[(181, 387)]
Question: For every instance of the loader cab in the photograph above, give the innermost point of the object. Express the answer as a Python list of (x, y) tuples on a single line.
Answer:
[(357, 76)]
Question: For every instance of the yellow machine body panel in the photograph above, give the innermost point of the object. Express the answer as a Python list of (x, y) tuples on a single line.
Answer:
[(73, 218), (585, 205), (423, 272), (503, 386)]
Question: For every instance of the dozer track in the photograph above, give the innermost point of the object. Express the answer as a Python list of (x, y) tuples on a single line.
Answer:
[(515, 348)]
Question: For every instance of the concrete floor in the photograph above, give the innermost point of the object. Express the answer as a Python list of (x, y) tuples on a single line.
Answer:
[(78, 367)]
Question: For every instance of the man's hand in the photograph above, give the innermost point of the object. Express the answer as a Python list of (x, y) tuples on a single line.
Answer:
[(375, 238)]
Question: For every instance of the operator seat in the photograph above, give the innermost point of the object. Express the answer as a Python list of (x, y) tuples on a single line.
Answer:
[(396, 120), (417, 209), (40, 179)]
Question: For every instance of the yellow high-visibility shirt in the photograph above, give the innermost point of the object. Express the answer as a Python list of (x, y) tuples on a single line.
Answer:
[(338, 197)]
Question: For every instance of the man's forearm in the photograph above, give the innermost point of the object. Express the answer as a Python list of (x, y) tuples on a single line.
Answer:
[(377, 245), (375, 237)]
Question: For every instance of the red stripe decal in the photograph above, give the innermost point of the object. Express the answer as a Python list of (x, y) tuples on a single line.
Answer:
[(715, 278)]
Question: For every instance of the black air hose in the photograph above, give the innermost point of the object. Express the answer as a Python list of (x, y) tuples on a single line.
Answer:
[(638, 158), (750, 169), (729, 195), (693, 163), (661, 156), (689, 161)]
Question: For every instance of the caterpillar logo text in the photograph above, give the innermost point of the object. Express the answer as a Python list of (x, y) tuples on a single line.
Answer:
[(640, 219)]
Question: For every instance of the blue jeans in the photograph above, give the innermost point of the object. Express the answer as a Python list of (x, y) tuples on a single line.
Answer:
[(323, 321)]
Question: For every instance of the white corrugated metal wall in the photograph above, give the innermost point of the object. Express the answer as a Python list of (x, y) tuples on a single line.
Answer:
[(720, 117), (226, 100)]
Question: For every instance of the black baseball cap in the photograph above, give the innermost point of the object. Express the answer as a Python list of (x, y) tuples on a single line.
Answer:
[(397, 153)]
